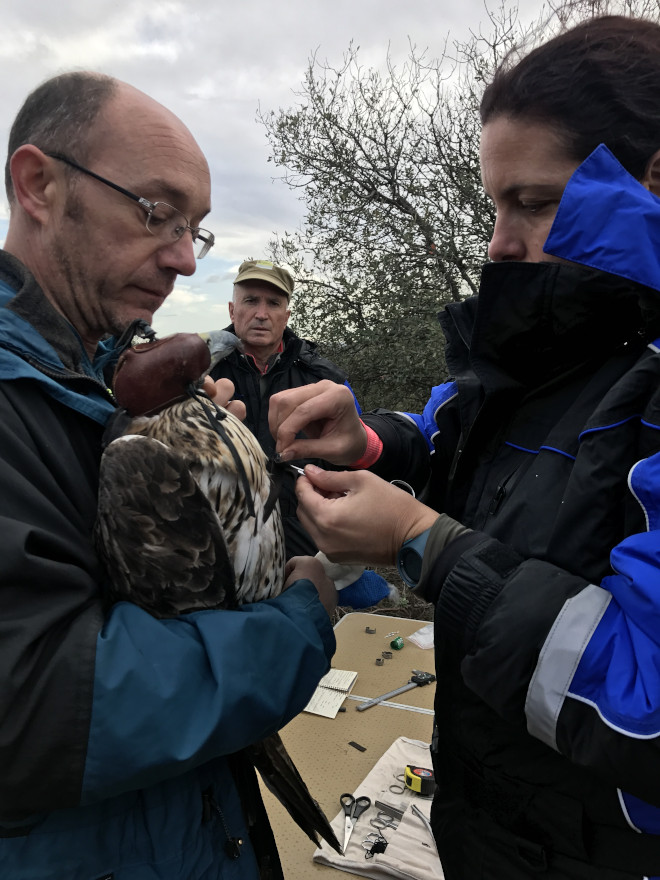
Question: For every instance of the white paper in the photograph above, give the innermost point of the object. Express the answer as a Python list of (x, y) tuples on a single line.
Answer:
[(331, 693), (339, 680), (423, 637)]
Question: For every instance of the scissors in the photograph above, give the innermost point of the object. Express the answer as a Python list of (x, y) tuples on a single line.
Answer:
[(353, 809)]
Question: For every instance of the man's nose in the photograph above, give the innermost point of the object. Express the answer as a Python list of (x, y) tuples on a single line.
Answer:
[(179, 255)]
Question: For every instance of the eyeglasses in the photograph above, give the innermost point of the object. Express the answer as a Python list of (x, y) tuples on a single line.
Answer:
[(163, 220)]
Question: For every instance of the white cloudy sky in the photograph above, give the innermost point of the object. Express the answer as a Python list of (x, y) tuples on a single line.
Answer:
[(213, 63)]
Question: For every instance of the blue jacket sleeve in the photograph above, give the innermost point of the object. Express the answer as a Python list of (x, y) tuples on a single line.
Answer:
[(614, 667), (582, 660), (357, 402), (426, 420), (172, 694), (409, 439)]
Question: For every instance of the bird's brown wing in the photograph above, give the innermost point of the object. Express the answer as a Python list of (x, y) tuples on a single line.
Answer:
[(156, 533)]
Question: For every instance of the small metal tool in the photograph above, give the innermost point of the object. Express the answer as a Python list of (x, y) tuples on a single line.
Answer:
[(383, 820), (395, 812), (419, 679), (417, 812), (399, 786)]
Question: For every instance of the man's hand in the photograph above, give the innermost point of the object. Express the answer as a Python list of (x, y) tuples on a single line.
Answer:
[(326, 413), (221, 392), (310, 568), (354, 516)]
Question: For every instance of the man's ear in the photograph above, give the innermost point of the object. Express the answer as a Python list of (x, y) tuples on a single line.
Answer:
[(34, 181), (231, 311), (651, 179)]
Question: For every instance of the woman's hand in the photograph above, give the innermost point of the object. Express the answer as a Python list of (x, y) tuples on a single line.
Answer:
[(354, 516), (326, 413)]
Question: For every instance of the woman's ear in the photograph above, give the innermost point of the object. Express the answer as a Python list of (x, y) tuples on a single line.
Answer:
[(651, 179), (33, 180)]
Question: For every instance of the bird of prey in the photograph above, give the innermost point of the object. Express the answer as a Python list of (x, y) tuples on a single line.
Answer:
[(188, 517)]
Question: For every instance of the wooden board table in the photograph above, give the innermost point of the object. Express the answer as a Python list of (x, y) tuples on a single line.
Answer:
[(320, 746)]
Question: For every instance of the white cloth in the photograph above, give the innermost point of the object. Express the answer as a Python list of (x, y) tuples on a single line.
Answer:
[(341, 574), (411, 852)]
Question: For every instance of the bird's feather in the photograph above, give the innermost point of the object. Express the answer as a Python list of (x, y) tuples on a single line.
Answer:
[(160, 540), (281, 778)]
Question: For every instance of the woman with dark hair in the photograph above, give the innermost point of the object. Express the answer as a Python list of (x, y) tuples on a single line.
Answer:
[(540, 541)]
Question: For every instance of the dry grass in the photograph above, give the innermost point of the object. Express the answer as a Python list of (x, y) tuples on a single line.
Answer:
[(409, 605)]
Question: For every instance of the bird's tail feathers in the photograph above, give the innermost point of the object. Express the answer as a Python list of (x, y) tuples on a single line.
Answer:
[(282, 778)]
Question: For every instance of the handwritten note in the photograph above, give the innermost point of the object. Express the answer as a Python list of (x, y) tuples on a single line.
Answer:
[(331, 692)]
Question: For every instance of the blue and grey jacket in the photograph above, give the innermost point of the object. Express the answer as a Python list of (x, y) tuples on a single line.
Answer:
[(117, 730)]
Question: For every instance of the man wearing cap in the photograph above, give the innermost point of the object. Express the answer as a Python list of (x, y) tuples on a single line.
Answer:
[(273, 359)]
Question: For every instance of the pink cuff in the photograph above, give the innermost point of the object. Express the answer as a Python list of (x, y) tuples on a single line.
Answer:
[(372, 452)]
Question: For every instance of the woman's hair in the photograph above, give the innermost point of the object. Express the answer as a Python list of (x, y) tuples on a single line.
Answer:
[(596, 83)]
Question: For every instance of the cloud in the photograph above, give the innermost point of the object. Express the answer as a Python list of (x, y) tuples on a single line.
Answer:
[(214, 64), (190, 310)]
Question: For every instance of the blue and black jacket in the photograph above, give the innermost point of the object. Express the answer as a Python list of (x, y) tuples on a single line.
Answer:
[(546, 443), (117, 730)]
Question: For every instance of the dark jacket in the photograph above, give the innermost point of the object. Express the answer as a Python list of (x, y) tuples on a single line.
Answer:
[(117, 730), (299, 363), (546, 444)]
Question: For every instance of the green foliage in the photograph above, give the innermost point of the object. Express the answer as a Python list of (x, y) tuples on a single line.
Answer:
[(396, 223)]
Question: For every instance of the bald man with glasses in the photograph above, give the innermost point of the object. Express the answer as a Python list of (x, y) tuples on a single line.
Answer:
[(118, 731)]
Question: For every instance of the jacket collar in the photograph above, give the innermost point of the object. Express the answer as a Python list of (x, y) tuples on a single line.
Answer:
[(31, 325), (39, 344), (532, 322), (292, 345)]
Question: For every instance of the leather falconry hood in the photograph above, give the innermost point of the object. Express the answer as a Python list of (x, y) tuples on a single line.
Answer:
[(152, 375)]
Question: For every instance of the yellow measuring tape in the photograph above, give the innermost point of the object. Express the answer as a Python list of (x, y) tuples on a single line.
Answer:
[(420, 780)]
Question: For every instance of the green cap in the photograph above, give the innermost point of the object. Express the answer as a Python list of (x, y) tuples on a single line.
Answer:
[(264, 270)]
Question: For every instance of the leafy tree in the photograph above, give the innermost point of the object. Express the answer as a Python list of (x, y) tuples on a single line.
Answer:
[(396, 222)]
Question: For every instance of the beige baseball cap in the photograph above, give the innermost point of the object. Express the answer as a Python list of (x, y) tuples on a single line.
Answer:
[(264, 270)]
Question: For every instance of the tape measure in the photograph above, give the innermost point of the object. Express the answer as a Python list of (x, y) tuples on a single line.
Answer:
[(420, 780)]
